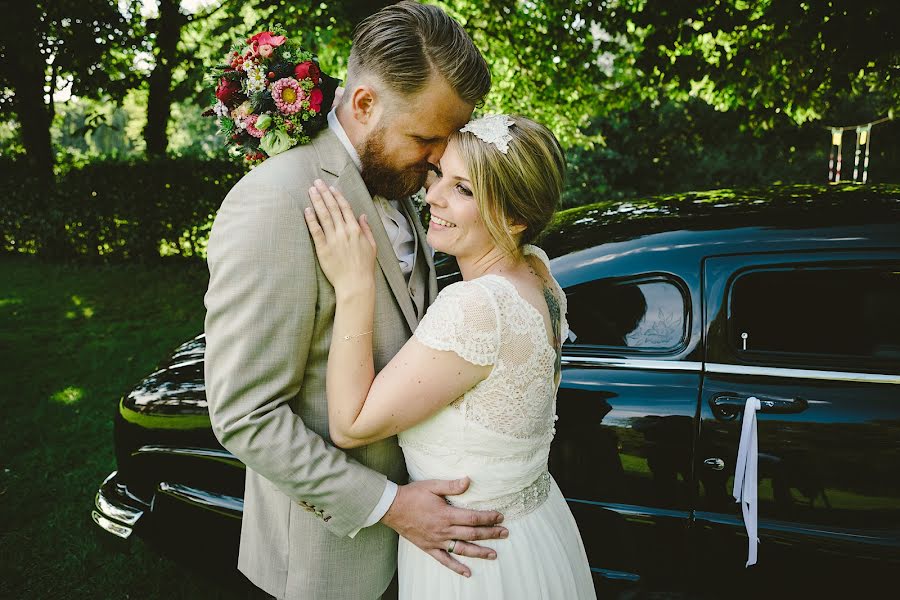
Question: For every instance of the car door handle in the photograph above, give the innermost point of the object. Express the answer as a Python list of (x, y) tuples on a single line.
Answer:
[(728, 407), (716, 464)]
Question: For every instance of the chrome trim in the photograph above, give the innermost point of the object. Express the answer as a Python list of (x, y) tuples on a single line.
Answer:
[(204, 453), (111, 526), (116, 511), (221, 503), (728, 369), (633, 510), (616, 575), (111, 514), (772, 527), (633, 363)]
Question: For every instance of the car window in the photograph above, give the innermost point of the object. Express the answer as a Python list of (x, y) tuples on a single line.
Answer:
[(818, 313), (640, 314)]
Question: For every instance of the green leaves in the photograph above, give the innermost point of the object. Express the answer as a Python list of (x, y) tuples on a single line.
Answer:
[(802, 60), (549, 60)]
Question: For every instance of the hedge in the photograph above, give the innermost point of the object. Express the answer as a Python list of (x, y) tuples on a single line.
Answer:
[(113, 210)]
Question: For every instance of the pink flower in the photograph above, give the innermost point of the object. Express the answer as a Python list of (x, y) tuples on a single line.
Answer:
[(288, 95), (265, 38), (265, 50), (249, 123)]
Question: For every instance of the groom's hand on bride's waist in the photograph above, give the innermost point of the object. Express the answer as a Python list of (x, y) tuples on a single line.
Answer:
[(420, 513)]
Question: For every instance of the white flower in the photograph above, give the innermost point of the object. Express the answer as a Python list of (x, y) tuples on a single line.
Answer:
[(286, 54), (256, 79), (220, 109), (418, 199)]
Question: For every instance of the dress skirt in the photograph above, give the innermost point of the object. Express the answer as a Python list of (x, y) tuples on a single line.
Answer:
[(543, 558)]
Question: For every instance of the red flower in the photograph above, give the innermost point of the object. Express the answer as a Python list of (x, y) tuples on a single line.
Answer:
[(265, 37), (307, 70), (227, 91), (315, 100)]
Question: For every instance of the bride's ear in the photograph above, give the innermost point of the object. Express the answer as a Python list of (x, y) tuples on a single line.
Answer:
[(516, 228)]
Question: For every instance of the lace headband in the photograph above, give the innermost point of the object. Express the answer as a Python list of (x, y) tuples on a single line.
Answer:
[(492, 129)]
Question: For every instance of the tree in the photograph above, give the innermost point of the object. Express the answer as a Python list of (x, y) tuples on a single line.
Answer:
[(166, 32), (777, 58), (552, 61), (88, 44), (183, 44)]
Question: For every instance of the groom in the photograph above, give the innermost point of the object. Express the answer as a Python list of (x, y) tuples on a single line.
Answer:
[(319, 522)]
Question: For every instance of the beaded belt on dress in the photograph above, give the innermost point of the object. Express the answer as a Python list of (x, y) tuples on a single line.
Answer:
[(520, 503)]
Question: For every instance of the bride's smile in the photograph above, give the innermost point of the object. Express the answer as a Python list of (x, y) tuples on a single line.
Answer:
[(441, 222)]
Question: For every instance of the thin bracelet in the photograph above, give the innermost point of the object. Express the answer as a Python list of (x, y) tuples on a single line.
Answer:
[(356, 335)]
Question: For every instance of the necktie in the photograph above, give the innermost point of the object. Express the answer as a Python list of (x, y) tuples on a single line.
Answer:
[(399, 232)]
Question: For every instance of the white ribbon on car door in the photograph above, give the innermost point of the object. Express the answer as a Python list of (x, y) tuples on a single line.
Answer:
[(745, 476)]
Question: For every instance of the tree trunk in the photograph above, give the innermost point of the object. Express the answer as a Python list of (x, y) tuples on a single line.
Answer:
[(28, 77), (159, 101)]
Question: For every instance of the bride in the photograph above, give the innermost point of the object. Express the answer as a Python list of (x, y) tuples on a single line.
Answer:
[(473, 392)]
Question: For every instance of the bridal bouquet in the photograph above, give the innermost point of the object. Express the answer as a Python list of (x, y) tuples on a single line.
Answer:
[(270, 95)]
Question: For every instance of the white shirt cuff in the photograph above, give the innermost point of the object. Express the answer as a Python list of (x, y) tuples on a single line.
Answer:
[(387, 498)]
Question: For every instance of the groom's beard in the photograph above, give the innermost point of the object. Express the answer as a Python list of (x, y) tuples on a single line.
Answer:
[(382, 178)]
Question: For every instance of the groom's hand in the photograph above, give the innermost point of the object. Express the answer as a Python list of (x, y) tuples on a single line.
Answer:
[(421, 514)]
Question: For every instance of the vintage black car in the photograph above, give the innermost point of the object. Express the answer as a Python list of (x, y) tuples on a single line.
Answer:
[(680, 309)]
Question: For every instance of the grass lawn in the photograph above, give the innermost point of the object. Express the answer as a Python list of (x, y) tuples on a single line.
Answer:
[(73, 339)]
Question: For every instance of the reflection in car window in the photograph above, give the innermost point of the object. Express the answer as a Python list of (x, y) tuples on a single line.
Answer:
[(645, 314), (849, 312)]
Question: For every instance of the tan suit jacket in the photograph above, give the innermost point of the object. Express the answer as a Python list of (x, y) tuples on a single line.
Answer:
[(268, 330)]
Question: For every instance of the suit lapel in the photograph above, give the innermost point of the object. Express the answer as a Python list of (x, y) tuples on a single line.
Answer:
[(337, 162), (423, 250), (351, 185)]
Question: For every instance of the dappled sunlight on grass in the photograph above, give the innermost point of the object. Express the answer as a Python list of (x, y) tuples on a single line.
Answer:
[(69, 395), (60, 383), (80, 311)]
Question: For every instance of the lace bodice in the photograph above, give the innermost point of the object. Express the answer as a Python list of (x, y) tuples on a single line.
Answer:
[(499, 432)]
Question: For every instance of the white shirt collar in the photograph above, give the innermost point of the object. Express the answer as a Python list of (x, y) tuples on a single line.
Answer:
[(335, 125)]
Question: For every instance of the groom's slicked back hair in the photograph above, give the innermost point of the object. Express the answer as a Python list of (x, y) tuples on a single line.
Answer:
[(405, 44)]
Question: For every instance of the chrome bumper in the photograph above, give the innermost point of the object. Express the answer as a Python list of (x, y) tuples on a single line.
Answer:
[(111, 510), (117, 511)]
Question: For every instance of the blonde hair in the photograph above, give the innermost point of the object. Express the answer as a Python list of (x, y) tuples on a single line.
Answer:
[(405, 44), (521, 187)]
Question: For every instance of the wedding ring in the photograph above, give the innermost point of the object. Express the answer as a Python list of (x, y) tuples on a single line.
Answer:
[(451, 546)]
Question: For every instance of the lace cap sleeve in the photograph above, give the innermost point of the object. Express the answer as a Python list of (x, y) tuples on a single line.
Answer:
[(463, 319)]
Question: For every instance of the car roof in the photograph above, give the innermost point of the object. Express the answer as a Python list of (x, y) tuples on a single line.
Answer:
[(782, 208), (674, 233), (668, 232)]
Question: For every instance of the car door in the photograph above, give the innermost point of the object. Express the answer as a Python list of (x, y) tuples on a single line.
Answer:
[(816, 337), (626, 408)]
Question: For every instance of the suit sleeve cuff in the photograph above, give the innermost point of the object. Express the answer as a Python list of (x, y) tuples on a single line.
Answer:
[(387, 498)]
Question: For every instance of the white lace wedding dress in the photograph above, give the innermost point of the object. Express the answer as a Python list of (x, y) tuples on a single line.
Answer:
[(499, 435)]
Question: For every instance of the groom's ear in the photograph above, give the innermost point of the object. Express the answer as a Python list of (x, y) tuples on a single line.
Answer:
[(362, 103)]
